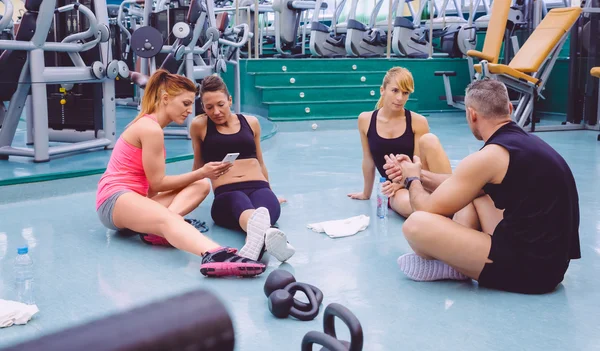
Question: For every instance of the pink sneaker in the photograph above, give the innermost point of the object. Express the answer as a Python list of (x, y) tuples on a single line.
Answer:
[(224, 262), (152, 239)]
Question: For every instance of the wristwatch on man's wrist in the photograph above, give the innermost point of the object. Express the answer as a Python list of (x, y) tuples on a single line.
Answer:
[(409, 180)]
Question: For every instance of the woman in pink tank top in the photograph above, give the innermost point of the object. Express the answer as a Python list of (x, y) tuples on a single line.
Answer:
[(135, 193)]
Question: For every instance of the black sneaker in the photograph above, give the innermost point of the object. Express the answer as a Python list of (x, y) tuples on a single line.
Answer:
[(224, 262)]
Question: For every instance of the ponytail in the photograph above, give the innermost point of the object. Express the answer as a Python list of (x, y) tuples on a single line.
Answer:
[(159, 83), (379, 103)]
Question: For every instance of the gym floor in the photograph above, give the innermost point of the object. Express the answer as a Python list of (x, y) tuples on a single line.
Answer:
[(84, 271)]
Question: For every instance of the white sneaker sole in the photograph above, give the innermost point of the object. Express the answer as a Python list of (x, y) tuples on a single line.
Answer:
[(258, 224), (277, 245)]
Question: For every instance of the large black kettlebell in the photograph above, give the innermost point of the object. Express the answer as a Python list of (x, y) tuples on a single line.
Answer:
[(280, 288), (329, 339)]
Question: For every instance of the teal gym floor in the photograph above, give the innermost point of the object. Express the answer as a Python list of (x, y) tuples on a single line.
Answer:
[(84, 271)]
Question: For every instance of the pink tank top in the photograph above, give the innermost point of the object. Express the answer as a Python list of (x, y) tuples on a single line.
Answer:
[(125, 171)]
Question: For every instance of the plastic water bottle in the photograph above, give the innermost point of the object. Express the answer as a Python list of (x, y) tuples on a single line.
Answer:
[(382, 200), (24, 276)]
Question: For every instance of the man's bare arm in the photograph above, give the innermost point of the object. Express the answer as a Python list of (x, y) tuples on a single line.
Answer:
[(431, 181), (464, 185)]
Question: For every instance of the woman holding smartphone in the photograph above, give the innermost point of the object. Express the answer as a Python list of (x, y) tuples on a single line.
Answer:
[(243, 197), (135, 193)]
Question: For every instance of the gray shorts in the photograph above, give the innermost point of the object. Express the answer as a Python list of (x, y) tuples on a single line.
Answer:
[(105, 211)]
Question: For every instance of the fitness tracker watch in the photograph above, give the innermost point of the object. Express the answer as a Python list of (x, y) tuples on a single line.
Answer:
[(409, 180)]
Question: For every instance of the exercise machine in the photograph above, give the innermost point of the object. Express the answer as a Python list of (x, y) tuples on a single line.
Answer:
[(528, 72), (596, 73), (584, 55), (499, 29), (289, 17), (328, 41), (120, 33), (411, 39), (406, 40), (257, 19), (201, 47), (6, 26), (26, 77), (362, 40)]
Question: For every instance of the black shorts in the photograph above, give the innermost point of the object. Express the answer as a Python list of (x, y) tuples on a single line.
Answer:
[(509, 271), (233, 199)]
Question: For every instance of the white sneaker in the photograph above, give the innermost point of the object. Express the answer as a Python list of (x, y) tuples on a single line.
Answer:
[(277, 245), (258, 224)]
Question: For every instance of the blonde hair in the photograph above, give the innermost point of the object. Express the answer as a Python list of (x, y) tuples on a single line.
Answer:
[(159, 83), (403, 78)]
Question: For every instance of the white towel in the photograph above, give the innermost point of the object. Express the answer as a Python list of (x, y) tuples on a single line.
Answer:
[(341, 227), (13, 312)]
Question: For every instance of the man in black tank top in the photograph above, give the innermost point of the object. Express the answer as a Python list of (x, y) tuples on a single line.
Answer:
[(520, 225)]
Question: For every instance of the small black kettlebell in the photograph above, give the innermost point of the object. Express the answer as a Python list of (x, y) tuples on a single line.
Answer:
[(328, 339), (281, 302), (280, 288)]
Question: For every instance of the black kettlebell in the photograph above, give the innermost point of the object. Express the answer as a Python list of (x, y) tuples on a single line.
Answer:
[(280, 288), (281, 302), (329, 339), (280, 278)]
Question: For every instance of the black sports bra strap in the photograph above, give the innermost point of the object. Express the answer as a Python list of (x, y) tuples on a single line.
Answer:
[(373, 122)]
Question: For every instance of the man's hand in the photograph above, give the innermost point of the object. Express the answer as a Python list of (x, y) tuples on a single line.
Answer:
[(411, 169)]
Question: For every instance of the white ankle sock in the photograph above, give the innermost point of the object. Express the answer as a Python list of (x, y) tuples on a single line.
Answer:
[(420, 269)]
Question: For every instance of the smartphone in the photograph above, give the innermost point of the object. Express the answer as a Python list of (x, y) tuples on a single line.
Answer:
[(230, 157)]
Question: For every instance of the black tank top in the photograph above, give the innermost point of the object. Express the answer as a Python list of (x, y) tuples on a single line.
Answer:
[(404, 144), (217, 145), (539, 198)]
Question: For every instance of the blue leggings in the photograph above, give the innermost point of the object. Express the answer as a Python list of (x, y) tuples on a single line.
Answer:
[(233, 199)]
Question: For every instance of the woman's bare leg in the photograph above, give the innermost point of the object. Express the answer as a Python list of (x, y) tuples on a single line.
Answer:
[(434, 159), (244, 218), (432, 155), (400, 203), (468, 217), (488, 214), (185, 200), (143, 215)]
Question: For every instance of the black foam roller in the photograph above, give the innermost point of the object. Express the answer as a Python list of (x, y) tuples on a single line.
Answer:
[(195, 321)]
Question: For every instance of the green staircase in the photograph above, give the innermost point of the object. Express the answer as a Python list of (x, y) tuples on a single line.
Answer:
[(342, 88), (318, 89)]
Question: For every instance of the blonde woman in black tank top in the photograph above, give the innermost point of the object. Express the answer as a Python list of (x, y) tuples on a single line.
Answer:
[(391, 129)]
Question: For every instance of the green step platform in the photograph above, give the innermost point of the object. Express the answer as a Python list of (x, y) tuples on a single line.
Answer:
[(284, 89), (318, 93), (327, 79), (321, 110), (273, 65)]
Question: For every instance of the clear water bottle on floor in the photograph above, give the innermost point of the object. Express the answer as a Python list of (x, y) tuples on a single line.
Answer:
[(24, 276), (382, 200)]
